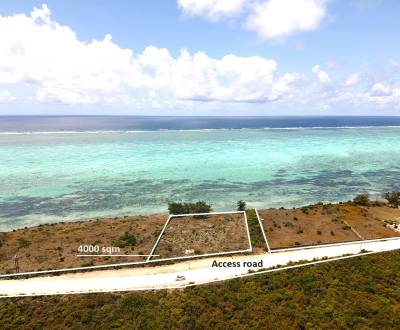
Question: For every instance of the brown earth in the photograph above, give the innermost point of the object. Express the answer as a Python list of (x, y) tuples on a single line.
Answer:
[(186, 236), (55, 246), (330, 223)]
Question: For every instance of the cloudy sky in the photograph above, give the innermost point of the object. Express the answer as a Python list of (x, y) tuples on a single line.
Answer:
[(200, 57)]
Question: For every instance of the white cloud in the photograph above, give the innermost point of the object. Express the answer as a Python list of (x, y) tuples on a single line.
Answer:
[(380, 94), (38, 51), (212, 9), (44, 61), (352, 79), (199, 77), (322, 75), (275, 19), (60, 68), (270, 19), (6, 97)]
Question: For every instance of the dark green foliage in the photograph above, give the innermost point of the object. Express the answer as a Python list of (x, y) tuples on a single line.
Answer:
[(357, 293), (393, 197), (241, 205), (125, 240), (362, 199), (184, 208)]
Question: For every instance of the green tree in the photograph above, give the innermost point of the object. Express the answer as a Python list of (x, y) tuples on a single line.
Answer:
[(393, 197), (184, 208), (241, 205), (362, 199)]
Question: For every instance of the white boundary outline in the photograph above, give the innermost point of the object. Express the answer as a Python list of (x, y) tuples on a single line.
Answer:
[(334, 244), (262, 230), (65, 270), (148, 261), (250, 249), (319, 245), (158, 239)]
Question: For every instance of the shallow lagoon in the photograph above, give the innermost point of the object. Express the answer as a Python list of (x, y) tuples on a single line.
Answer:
[(80, 175)]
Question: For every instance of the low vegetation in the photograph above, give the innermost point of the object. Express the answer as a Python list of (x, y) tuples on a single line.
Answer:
[(257, 238), (126, 240), (393, 198), (357, 293), (55, 246), (362, 199), (328, 223), (186, 208), (241, 205), (214, 234)]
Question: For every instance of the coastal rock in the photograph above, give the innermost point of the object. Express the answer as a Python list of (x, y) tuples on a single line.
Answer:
[(382, 201)]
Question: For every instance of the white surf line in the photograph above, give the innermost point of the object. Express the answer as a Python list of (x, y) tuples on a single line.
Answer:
[(106, 283), (262, 230)]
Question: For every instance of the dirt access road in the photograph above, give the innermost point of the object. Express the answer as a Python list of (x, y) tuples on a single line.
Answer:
[(195, 272)]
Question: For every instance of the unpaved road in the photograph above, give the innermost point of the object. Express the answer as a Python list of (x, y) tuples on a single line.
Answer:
[(163, 277)]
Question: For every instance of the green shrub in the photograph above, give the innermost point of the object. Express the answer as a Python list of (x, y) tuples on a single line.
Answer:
[(362, 199), (241, 205), (184, 208), (125, 240), (393, 197)]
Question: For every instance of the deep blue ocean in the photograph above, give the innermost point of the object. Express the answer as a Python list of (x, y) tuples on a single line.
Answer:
[(134, 123)]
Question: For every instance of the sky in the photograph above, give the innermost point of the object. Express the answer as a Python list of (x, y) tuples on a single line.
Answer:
[(200, 57)]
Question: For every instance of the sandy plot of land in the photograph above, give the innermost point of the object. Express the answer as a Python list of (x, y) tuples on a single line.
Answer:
[(187, 236), (320, 224), (285, 228), (369, 222), (56, 246), (387, 214)]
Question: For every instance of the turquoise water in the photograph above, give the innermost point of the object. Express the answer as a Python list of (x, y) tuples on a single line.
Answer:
[(69, 176)]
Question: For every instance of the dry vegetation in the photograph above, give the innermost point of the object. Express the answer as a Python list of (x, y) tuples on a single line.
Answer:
[(331, 223), (185, 236), (55, 246)]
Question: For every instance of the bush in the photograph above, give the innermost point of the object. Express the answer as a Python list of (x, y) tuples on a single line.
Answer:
[(241, 205), (393, 198), (126, 240), (184, 208), (362, 199)]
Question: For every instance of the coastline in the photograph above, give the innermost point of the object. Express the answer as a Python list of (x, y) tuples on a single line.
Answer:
[(55, 246)]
